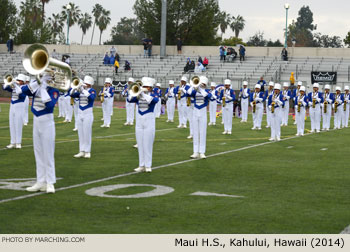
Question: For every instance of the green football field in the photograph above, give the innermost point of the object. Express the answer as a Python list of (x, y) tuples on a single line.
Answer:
[(297, 185)]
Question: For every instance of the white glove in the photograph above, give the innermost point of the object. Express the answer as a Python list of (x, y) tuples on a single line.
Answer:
[(310, 103), (318, 99), (86, 93), (279, 102), (18, 90), (33, 86), (259, 99), (329, 100), (189, 91), (203, 92), (270, 107), (148, 98), (251, 104), (44, 95), (107, 93)]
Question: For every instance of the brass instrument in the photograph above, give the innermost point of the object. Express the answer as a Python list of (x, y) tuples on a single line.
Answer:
[(336, 105), (188, 101), (136, 89), (76, 83), (313, 100), (223, 98), (9, 81), (299, 106), (36, 61), (102, 96), (195, 82), (344, 105), (325, 105), (179, 94), (273, 104), (254, 103)]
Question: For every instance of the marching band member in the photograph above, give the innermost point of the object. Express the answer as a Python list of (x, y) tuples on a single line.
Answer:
[(129, 107), (189, 110), (68, 107), (180, 93), (108, 93), (244, 95), (26, 105), (61, 106), (267, 95), (145, 124), (201, 99), (345, 118), (338, 109), (295, 93), (86, 95), (44, 133), (227, 96), (212, 104), (158, 92), (257, 102), (285, 109), (76, 113), (300, 110), (16, 111), (275, 103), (111, 103), (170, 103), (327, 108), (315, 99)]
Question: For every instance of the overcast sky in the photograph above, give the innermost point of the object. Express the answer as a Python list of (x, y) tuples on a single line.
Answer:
[(268, 16)]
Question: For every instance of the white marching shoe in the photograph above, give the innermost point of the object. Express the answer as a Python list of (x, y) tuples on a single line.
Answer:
[(179, 126), (278, 139), (50, 188), (253, 128), (202, 156), (75, 129), (184, 126), (259, 128), (195, 155), (267, 126), (107, 126), (65, 120), (131, 123), (102, 126), (224, 133), (25, 124), (37, 187), (135, 146), (18, 146), (10, 146), (79, 155), (148, 169), (190, 137), (87, 155), (140, 169), (167, 121), (222, 122), (229, 133), (126, 123), (271, 139)]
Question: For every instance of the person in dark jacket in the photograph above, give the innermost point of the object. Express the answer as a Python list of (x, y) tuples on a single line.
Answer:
[(106, 59), (241, 53), (179, 46), (10, 45)]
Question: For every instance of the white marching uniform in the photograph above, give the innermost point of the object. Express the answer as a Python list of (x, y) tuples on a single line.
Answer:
[(213, 106), (145, 127), (227, 111), (85, 117), (170, 103), (345, 117), (315, 113), (61, 107), (340, 109), (76, 112), (26, 107), (16, 113), (326, 117), (68, 107), (157, 109), (181, 104), (244, 95), (268, 112), (276, 115), (44, 133), (259, 99), (285, 109), (189, 113), (300, 116), (107, 104), (199, 119), (129, 107)]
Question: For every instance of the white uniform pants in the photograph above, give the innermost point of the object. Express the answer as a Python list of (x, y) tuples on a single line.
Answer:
[(347, 115), (107, 110), (61, 107), (285, 113), (69, 108), (85, 120), (300, 119), (76, 113), (170, 105), (190, 110), (112, 104), (344, 115), (276, 123), (145, 132), (26, 107), (338, 116), (227, 112), (268, 115), (130, 112), (157, 108), (315, 116), (257, 116), (326, 117), (212, 111), (182, 109), (244, 106), (199, 121), (16, 122), (44, 148)]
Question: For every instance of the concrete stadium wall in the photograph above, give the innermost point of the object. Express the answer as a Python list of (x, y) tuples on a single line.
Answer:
[(193, 50)]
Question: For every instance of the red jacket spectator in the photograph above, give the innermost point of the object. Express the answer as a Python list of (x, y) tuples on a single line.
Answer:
[(205, 62)]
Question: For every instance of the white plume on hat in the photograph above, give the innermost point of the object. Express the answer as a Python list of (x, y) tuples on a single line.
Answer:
[(203, 80), (316, 85), (277, 86), (337, 88), (21, 77), (227, 82), (213, 84), (271, 83), (257, 86), (327, 86), (89, 80), (302, 88), (108, 80)]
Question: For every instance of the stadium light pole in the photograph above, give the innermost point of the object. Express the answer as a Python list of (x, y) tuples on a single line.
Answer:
[(68, 12), (286, 6), (163, 30)]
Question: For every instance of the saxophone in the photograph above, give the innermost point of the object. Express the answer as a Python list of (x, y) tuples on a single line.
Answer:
[(336, 105), (299, 104), (313, 100), (325, 105), (188, 101), (102, 97), (273, 104), (254, 103), (344, 105), (179, 94), (224, 99)]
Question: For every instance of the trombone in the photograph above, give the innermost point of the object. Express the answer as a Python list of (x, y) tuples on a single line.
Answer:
[(36, 61)]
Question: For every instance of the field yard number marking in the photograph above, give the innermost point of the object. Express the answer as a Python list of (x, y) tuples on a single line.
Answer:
[(102, 190), (18, 184)]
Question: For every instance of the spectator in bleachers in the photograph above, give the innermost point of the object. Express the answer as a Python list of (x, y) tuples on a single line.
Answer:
[(188, 65), (111, 60), (231, 53), (10, 45), (262, 83), (149, 48), (199, 68), (284, 54), (54, 54), (106, 59), (241, 53), (222, 52), (179, 46), (200, 59), (145, 45), (116, 66), (112, 50), (192, 66), (117, 57), (205, 62), (127, 66)]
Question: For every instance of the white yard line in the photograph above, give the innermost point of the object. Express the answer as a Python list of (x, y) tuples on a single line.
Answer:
[(153, 168)]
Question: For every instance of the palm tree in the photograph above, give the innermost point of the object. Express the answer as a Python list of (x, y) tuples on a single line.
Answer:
[(74, 14), (225, 21), (56, 23), (31, 11), (85, 23), (103, 21), (43, 2), (237, 25), (96, 11)]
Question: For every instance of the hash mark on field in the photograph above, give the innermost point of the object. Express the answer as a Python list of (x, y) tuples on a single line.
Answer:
[(215, 194), (324, 149), (290, 147), (222, 143), (153, 168)]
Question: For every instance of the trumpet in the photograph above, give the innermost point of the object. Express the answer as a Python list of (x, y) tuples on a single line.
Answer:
[(136, 89), (76, 83), (9, 81), (325, 105), (36, 61), (195, 82)]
